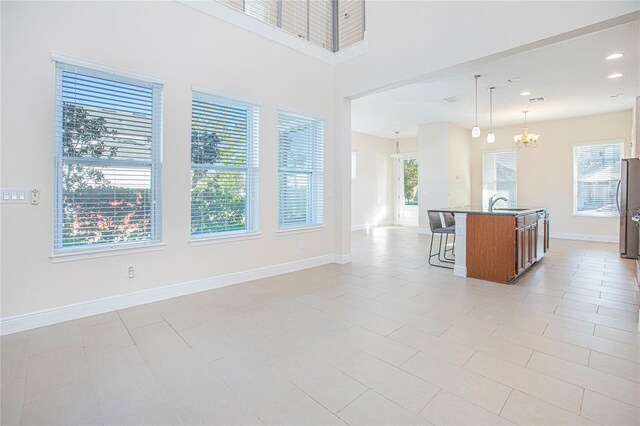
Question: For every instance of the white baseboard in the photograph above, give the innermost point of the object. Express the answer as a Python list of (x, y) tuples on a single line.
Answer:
[(51, 316), (342, 259), (460, 271), (585, 237), (365, 226)]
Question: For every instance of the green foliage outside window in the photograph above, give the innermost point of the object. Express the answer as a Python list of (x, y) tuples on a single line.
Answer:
[(218, 189), (95, 209), (411, 182)]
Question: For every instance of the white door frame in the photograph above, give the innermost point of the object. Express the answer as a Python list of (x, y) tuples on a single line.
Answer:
[(404, 215)]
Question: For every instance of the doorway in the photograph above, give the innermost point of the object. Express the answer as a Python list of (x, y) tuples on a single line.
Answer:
[(407, 190)]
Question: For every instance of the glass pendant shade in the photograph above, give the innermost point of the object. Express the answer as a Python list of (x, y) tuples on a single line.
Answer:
[(491, 138), (475, 132)]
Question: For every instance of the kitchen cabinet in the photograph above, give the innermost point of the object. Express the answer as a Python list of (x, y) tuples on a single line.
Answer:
[(501, 247), (526, 242)]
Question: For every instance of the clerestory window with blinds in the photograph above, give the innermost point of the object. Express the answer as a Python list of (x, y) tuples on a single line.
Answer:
[(596, 173), (107, 159), (224, 166), (499, 178), (330, 24), (300, 170)]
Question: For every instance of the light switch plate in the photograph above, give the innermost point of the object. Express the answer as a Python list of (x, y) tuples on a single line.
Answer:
[(15, 196)]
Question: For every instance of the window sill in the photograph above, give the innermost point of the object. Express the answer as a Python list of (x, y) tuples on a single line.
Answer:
[(300, 229), (217, 239), (105, 252), (596, 216)]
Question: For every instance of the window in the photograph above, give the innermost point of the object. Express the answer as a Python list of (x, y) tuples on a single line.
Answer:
[(318, 21), (499, 177), (596, 172), (410, 186), (108, 131), (300, 170), (224, 166)]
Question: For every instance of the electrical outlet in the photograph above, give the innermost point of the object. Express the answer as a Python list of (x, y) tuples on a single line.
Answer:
[(131, 271), (35, 196), (300, 244)]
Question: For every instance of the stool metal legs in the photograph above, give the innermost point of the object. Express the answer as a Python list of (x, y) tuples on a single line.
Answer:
[(442, 254), (451, 250)]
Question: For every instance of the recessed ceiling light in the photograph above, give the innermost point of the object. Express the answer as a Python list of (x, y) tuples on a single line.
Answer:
[(513, 79), (525, 93), (614, 56), (616, 95), (616, 75)]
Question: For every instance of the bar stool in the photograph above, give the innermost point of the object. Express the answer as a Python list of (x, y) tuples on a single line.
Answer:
[(442, 224)]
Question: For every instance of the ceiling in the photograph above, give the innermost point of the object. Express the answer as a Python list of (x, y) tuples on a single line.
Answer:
[(570, 75)]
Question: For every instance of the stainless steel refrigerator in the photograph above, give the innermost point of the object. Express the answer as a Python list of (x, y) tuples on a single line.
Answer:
[(628, 200)]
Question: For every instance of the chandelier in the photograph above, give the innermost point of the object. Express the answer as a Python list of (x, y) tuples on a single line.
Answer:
[(526, 139)]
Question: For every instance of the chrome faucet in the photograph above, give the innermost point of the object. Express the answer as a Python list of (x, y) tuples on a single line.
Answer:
[(493, 200)]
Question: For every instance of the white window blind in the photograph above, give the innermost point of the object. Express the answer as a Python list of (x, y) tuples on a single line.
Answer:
[(499, 177), (350, 22), (108, 139), (330, 24), (596, 172), (300, 170), (224, 166)]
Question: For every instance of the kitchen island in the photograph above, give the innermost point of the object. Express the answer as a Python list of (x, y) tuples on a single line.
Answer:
[(499, 244)]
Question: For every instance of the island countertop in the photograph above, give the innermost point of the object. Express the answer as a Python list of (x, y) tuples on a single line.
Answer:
[(516, 211)]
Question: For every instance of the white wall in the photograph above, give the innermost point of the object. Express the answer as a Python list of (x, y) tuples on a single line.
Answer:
[(183, 47), (409, 39), (372, 192), (444, 158), (433, 169), (459, 164), (545, 173)]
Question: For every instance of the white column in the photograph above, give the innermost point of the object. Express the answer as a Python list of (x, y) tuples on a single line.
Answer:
[(460, 268), (339, 194), (433, 170)]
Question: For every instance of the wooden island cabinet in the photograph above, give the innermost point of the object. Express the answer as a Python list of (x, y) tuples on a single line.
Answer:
[(499, 245)]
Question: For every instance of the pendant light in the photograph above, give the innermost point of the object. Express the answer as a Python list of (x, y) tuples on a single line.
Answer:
[(475, 132), (491, 138), (397, 153)]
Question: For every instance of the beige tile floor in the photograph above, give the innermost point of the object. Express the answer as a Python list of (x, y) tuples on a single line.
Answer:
[(384, 340)]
